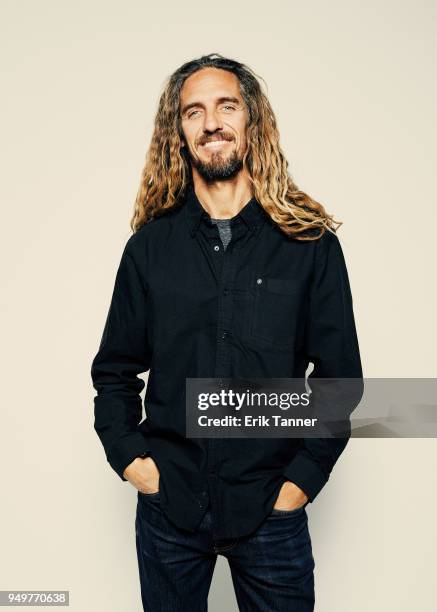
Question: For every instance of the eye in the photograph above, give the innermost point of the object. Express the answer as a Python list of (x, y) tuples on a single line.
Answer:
[(192, 113), (231, 107)]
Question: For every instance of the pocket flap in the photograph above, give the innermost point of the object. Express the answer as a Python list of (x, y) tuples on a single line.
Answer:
[(282, 285)]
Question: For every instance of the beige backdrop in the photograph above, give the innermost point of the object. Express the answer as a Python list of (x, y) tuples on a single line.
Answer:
[(355, 98)]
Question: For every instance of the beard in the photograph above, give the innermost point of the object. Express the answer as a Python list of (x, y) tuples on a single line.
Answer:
[(218, 168)]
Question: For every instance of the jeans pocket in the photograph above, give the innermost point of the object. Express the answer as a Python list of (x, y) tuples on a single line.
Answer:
[(293, 512), (151, 495)]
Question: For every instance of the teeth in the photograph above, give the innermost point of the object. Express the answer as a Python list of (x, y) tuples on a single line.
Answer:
[(215, 143)]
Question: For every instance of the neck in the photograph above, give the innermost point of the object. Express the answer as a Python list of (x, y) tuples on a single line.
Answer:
[(223, 199)]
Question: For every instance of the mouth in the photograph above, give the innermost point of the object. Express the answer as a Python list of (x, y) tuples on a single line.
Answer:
[(214, 144)]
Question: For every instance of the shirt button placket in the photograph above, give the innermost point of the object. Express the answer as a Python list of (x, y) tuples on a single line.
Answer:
[(223, 369)]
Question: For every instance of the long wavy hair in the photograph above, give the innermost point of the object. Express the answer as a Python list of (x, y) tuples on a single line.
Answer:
[(167, 170)]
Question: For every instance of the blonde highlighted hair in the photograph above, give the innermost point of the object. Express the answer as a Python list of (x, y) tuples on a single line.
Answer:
[(167, 170)]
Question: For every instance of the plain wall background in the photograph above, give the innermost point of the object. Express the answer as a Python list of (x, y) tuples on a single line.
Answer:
[(353, 89)]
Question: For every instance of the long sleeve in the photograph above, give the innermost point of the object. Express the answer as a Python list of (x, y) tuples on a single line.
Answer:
[(331, 344), (123, 354)]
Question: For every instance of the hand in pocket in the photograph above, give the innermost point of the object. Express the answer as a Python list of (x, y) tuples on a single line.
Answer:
[(291, 497), (143, 474)]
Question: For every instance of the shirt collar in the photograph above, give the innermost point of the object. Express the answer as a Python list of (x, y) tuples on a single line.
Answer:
[(252, 214)]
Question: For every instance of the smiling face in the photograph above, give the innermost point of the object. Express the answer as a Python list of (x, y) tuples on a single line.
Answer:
[(214, 119)]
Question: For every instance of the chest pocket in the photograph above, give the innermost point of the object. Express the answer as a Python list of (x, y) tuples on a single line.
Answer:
[(277, 312)]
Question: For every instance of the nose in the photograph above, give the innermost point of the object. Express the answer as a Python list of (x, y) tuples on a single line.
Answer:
[(212, 122)]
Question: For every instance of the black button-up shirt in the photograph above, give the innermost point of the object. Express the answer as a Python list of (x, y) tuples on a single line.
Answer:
[(183, 306)]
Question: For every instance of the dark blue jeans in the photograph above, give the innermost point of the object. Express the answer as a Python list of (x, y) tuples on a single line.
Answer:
[(272, 569)]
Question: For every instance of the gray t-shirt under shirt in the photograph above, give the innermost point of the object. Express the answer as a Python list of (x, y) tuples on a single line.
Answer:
[(224, 228)]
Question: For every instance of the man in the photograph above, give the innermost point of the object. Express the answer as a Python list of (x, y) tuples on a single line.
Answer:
[(231, 272)]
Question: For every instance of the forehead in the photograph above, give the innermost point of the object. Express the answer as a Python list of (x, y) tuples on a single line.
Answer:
[(210, 83)]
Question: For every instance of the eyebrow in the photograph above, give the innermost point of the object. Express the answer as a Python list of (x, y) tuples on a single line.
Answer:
[(219, 101)]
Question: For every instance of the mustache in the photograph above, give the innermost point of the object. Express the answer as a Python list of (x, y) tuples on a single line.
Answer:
[(221, 136)]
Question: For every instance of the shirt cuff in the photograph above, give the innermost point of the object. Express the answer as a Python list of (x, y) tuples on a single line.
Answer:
[(307, 475), (125, 450)]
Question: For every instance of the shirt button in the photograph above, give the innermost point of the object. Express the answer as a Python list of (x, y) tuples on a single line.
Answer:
[(216, 248)]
